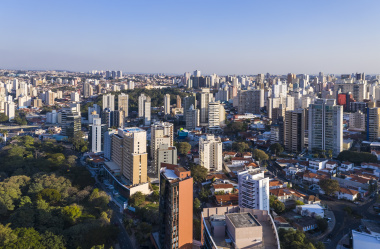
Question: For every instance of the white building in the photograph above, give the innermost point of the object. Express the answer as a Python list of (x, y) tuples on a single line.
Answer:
[(9, 110), (311, 210), (216, 115), (96, 135), (253, 190), (210, 153), (109, 102), (161, 133), (75, 96), (315, 165), (167, 104)]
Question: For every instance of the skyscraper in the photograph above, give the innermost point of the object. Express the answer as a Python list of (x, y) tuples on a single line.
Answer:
[(206, 98), (123, 103), (129, 153), (178, 105), (325, 126), (216, 115), (147, 107), (88, 91), (210, 153), (188, 101), (250, 101), (109, 102), (192, 118), (253, 189), (294, 130), (176, 208), (373, 124), (167, 104), (96, 135), (161, 133)]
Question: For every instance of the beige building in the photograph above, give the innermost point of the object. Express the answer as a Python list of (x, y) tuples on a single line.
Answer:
[(210, 153), (129, 153), (373, 130), (161, 133), (357, 120), (167, 104), (216, 115), (166, 154), (123, 103), (206, 98)]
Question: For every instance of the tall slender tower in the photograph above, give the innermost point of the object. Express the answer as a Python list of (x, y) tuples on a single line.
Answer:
[(176, 208), (206, 97), (179, 102), (167, 104), (161, 133), (123, 103), (109, 102)]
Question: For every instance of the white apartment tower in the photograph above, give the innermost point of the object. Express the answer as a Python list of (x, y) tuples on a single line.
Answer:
[(210, 153), (96, 135), (161, 133), (253, 190), (206, 98), (216, 115), (75, 97), (326, 126), (167, 104), (147, 107), (109, 102), (142, 99)]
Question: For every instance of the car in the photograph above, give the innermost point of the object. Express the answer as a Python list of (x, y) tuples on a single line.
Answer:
[(357, 203)]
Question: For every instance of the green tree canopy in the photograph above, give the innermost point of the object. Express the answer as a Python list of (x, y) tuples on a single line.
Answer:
[(329, 186), (276, 148), (183, 148), (49, 195), (71, 213), (260, 155), (137, 199), (276, 205), (322, 224), (356, 157), (240, 146), (199, 173), (196, 204)]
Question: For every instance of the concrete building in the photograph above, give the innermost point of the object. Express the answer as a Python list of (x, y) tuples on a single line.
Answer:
[(144, 109), (373, 124), (253, 190), (166, 154), (71, 122), (74, 96), (179, 102), (210, 153), (250, 101), (9, 110), (192, 118), (88, 90), (49, 98), (206, 98), (96, 135), (234, 227), (109, 102), (216, 115), (141, 109), (129, 153), (161, 133), (188, 101), (294, 130), (167, 104), (122, 105), (176, 208), (357, 120), (325, 126), (108, 143)]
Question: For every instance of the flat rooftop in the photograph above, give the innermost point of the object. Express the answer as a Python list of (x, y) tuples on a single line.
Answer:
[(132, 129), (240, 220), (169, 174)]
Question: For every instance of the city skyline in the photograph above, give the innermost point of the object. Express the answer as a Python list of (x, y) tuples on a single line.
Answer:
[(176, 37)]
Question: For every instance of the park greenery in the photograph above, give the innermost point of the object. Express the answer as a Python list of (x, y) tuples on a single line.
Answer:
[(357, 157), (329, 186), (47, 201), (296, 239), (276, 205), (240, 146)]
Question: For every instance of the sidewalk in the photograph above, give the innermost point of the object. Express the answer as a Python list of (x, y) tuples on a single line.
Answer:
[(331, 224), (344, 241)]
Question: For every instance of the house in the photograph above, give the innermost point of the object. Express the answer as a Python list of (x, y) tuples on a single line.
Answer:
[(225, 188), (305, 224), (275, 184), (229, 154), (280, 222), (313, 200), (287, 194), (312, 210), (315, 165), (331, 165), (247, 155), (226, 200), (314, 178), (346, 166), (239, 161), (347, 194)]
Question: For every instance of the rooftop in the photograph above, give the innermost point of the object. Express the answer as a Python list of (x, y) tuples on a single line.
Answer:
[(240, 220)]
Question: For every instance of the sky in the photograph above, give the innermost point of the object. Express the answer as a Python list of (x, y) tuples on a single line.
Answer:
[(214, 36)]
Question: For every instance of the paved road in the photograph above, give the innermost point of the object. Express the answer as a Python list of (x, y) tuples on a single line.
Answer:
[(117, 218)]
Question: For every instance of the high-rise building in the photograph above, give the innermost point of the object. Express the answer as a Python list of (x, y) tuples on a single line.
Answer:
[(253, 189), (119, 74), (166, 154), (188, 101), (71, 122), (161, 133), (206, 98), (178, 102), (192, 118), (167, 104), (357, 120), (197, 73), (129, 153), (216, 115), (373, 124), (109, 102), (147, 107), (9, 110), (123, 103), (250, 101), (108, 143), (49, 98), (75, 96), (176, 208), (294, 130), (88, 90), (210, 153), (96, 135), (325, 126), (142, 100)]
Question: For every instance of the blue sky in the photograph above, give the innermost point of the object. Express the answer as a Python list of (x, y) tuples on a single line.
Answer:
[(223, 37)]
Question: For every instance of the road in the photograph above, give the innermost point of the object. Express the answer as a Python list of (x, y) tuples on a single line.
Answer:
[(117, 217)]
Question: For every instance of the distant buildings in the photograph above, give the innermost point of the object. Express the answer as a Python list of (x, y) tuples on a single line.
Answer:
[(250, 101), (144, 109), (167, 104)]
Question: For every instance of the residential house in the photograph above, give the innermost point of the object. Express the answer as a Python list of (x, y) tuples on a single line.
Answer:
[(225, 188), (346, 166), (347, 194)]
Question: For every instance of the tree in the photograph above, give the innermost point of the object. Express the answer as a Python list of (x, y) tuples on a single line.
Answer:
[(240, 146), (260, 155), (204, 194), (71, 213), (298, 202), (322, 224), (184, 148), (3, 118), (27, 238), (356, 157), (276, 205), (276, 148), (329, 186), (219, 192), (196, 204), (52, 241), (137, 199), (49, 195), (6, 235), (197, 229), (294, 239), (199, 173)]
